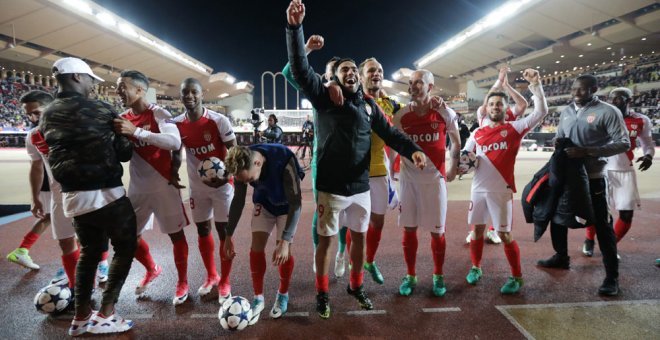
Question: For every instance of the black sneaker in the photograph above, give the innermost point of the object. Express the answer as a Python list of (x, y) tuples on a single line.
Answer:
[(323, 305), (588, 248), (361, 296), (556, 261), (610, 287)]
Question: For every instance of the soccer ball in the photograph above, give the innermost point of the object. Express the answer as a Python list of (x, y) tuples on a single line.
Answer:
[(210, 168), (235, 313), (467, 162), (53, 299)]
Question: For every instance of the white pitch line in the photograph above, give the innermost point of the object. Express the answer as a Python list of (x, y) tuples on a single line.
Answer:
[(441, 310), (295, 314), (515, 323), (140, 316), (367, 312), (204, 316)]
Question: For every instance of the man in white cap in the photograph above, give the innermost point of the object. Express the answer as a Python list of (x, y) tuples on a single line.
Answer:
[(84, 153)]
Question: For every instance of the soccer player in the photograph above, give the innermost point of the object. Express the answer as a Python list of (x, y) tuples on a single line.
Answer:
[(34, 102), (598, 130), (154, 136), (274, 173), (204, 134), (371, 77), (623, 194), (423, 192), (343, 135), (84, 154), (496, 146), (501, 84)]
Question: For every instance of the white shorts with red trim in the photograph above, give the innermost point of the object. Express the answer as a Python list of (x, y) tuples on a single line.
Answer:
[(166, 206), (379, 192), (264, 221), (494, 206), (61, 225), (336, 210), (214, 204), (622, 190), (423, 205)]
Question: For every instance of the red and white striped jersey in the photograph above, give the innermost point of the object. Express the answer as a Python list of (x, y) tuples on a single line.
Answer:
[(38, 149)]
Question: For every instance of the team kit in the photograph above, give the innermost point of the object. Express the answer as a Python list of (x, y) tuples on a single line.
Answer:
[(361, 137)]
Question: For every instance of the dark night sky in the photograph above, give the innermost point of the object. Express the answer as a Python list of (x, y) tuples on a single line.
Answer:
[(246, 37)]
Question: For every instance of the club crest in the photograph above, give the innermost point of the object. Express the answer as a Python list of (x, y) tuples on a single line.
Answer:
[(368, 108), (207, 136), (591, 118), (147, 127), (434, 126), (503, 133), (633, 126)]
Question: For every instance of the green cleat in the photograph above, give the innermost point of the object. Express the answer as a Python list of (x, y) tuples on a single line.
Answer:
[(657, 262), (474, 275), (439, 288), (323, 305), (21, 256), (512, 285), (376, 275), (407, 285)]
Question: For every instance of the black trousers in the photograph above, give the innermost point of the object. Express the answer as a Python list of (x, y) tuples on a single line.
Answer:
[(114, 222), (604, 230)]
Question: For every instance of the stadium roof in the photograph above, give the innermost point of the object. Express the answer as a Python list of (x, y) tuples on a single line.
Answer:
[(548, 35), (38, 32)]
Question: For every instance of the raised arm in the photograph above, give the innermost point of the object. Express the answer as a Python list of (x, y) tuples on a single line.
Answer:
[(540, 103)]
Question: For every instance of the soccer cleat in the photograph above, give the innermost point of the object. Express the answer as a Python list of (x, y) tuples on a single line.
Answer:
[(657, 262), (512, 285), (111, 324), (280, 306), (208, 285), (102, 272), (340, 265), (314, 261), (149, 277), (323, 305), (408, 284), (60, 277), (376, 275), (588, 248), (474, 275), (256, 307), (439, 288), (492, 237), (556, 261), (224, 292), (469, 237), (181, 294), (21, 256), (361, 296), (610, 287), (79, 327)]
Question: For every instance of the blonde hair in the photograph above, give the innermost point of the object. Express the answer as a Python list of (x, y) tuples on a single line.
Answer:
[(238, 158)]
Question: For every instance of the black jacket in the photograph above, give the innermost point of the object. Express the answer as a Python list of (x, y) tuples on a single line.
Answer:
[(559, 192), (343, 134), (84, 152), (273, 134)]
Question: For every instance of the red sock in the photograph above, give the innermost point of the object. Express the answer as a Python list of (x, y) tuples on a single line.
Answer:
[(206, 245), (69, 262), (476, 251), (356, 279), (225, 265), (104, 256), (286, 271), (491, 228), (373, 240), (28, 240), (513, 255), (590, 232), (142, 254), (410, 250), (180, 250), (258, 269), (438, 246), (621, 228), (322, 285), (348, 242)]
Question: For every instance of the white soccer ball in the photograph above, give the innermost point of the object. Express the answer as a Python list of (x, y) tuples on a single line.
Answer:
[(467, 162), (235, 313), (210, 168), (53, 298)]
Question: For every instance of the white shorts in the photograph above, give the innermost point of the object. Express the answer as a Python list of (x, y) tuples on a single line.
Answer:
[(61, 225), (264, 221), (622, 190), (496, 205), (214, 204), (336, 210), (379, 192), (45, 197), (423, 205), (165, 206)]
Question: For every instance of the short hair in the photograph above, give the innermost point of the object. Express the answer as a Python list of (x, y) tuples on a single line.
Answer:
[(37, 96), (361, 67), (274, 117), (498, 94), (335, 66), (588, 79), (137, 77), (191, 81), (238, 158), (333, 60), (427, 76), (628, 93)]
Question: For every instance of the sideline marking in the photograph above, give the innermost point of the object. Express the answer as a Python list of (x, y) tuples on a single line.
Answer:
[(441, 310), (367, 312), (521, 329), (203, 316), (140, 316), (295, 314), (15, 217)]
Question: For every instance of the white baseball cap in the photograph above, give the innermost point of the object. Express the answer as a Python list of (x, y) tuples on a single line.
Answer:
[(73, 65)]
